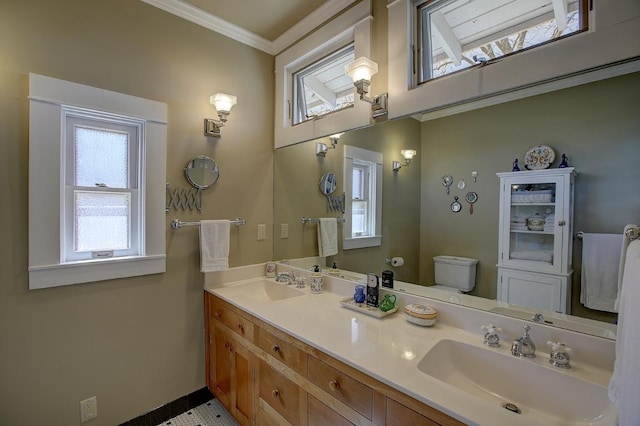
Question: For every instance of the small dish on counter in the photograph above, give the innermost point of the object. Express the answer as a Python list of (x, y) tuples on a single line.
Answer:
[(421, 315), (349, 303)]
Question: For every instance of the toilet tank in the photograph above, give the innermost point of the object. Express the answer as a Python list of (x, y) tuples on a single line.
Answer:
[(457, 272)]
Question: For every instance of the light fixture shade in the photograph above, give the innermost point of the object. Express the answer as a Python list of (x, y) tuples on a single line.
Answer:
[(223, 102), (361, 69), (408, 154)]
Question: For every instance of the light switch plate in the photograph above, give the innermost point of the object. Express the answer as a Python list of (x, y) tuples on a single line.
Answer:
[(88, 409), (284, 230), (262, 231)]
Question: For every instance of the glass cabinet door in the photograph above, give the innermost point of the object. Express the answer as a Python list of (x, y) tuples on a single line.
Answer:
[(534, 212)]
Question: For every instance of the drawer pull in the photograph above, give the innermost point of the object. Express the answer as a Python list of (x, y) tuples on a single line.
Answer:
[(275, 348), (334, 385), (240, 327), (218, 313), (275, 393)]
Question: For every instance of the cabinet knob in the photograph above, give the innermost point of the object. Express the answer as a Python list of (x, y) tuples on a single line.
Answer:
[(275, 393), (218, 313), (275, 348), (241, 327), (334, 385), (562, 223)]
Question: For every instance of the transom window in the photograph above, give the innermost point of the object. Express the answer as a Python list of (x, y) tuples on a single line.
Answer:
[(457, 34), (323, 86)]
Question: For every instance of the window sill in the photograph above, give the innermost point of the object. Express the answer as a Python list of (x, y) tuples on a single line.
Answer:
[(94, 270), (362, 242)]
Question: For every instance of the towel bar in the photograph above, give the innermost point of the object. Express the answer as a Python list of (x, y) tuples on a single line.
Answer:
[(304, 220), (177, 223)]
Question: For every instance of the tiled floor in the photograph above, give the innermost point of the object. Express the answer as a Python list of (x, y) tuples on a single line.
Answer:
[(211, 413)]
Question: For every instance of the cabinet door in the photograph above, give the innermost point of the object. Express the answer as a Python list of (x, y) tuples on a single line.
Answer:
[(399, 415), (535, 221), (279, 393), (319, 414), (232, 380), (542, 291)]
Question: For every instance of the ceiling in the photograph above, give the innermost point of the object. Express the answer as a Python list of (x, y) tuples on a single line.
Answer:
[(267, 25)]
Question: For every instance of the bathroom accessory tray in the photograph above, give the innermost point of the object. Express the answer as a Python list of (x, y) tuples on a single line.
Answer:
[(368, 310)]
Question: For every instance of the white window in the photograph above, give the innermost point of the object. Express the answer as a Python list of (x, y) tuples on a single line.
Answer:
[(323, 86), (314, 97), (96, 184), (363, 196), (457, 34)]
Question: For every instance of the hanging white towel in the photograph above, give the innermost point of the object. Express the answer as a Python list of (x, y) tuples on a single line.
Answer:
[(624, 387), (214, 245), (631, 232), (600, 264), (327, 236)]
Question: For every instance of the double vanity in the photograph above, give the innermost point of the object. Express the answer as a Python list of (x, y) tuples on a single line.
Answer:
[(278, 354)]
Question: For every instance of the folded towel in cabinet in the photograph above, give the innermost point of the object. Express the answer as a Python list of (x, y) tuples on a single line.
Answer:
[(214, 245), (538, 256)]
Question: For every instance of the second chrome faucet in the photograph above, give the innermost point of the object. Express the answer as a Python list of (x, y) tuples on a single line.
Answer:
[(523, 346)]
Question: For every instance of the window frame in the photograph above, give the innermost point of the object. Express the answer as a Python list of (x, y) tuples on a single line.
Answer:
[(47, 159), (74, 118), (373, 162), (424, 57), (576, 60), (352, 26)]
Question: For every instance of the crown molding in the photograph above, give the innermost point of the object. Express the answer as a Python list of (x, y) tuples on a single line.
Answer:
[(207, 20)]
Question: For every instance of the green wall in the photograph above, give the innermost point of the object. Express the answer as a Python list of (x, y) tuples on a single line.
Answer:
[(134, 343), (595, 124)]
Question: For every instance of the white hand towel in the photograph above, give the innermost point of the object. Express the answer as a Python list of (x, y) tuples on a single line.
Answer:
[(214, 245), (631, 232), (327, 236), (624, 387), (600, 264)]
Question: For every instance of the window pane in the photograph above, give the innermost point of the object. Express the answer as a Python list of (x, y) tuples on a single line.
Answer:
[(358, 184), (323, 86), (459, 34), (101, 221), (359, 218), (101, 156)]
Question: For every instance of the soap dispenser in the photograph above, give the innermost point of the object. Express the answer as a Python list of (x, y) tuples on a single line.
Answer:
[(316, 280)]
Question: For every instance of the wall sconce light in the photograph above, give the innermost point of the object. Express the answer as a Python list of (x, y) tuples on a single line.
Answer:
[(408, 155), (361, 70), (322, 148), (223, 104)]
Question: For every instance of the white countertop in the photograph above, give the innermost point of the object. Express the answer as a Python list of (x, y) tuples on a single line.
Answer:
[(388, 349)]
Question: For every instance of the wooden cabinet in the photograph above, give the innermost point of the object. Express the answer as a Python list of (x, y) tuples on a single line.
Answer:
[(536, 238), (264, 376), (232, 365)]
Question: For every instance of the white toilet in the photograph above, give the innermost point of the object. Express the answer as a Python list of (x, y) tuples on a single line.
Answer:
[(455, 274)]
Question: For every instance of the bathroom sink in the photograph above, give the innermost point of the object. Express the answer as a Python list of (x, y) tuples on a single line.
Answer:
[(540, 393), (261, 290)]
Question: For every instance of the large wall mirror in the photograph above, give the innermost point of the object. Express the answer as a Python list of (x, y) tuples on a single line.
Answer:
[(594, 124)]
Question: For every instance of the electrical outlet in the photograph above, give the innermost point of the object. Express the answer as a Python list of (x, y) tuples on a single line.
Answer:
[(262, 231), (284, 230), (88, 409)]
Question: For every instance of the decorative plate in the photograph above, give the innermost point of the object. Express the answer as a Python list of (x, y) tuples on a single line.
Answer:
[(539, 157)]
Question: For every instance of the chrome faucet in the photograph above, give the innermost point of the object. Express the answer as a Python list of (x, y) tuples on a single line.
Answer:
[(286, 277), (523, 346), (538, 318)]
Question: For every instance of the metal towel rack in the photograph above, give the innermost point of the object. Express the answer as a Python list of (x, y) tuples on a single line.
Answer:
[(308, 220), (631, 232), (177, 223)]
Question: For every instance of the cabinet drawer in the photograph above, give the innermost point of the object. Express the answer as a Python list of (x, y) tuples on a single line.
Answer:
[(279, 393), (234, 321), (399, 415), (341, 386), (318, 414), (283, 351)]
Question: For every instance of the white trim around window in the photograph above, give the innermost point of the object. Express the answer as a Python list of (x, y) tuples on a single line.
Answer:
[(47, 99), (353, 26), (354, 155)]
